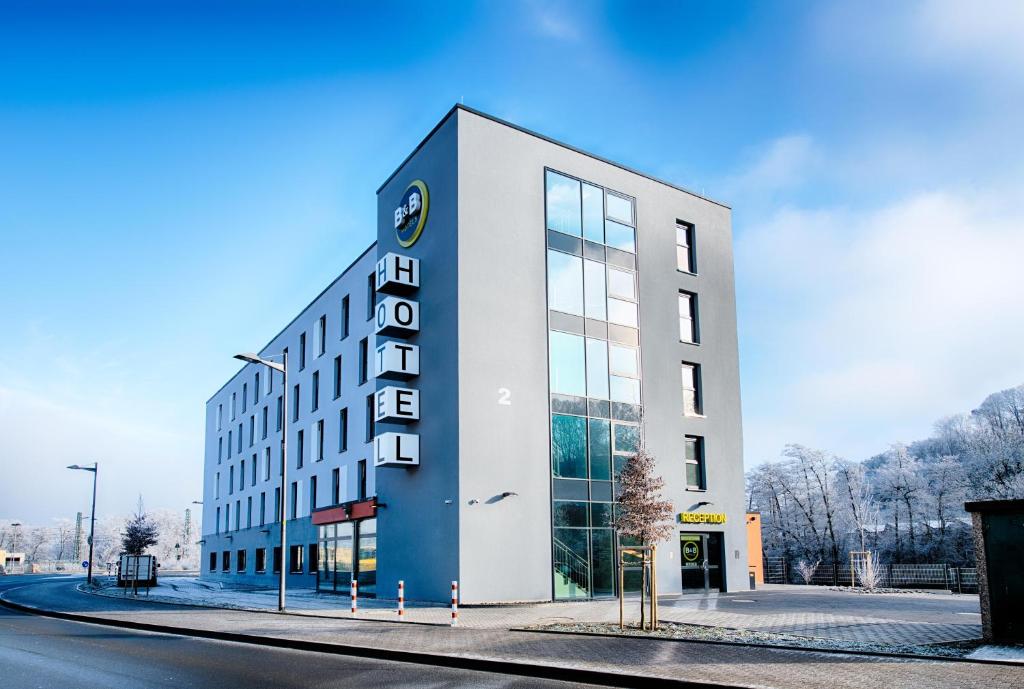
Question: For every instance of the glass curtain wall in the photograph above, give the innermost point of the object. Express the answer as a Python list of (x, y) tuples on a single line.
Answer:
[(594, 374), (348, 549)]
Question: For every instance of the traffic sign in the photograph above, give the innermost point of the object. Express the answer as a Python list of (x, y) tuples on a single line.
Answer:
[(85, 564)]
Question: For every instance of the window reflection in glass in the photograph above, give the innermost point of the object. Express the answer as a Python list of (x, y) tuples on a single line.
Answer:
[(594, 290), (565, 283), (568, 446), (623, 360), (600, 445), (570, 513), (621, 284), (568, 372), (627, 438), (593, 213), (620, 208), (622, 312), (620, 236), (597, 369), (563, 200), (625, 390)]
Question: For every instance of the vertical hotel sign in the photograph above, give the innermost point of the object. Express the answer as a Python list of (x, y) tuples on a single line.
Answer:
[(398, 316)]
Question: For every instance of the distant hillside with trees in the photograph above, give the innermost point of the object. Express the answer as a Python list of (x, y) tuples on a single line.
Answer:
[(906, 504)]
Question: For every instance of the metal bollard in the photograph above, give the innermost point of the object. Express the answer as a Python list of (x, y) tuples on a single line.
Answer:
[(401, 599), (455, 603), (353, 593)]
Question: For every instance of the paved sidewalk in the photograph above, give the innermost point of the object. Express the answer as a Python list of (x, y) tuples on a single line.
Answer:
[(832, 615), (730, 665)]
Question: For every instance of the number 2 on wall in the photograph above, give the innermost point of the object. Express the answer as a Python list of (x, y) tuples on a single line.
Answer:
[(505, 396)]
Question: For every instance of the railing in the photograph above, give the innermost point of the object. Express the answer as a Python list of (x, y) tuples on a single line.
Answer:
[(571, 566), (907, 576)]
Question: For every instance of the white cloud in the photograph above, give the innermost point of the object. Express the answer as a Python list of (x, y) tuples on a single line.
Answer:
[(783, 163), (554, 21), (871, 324)]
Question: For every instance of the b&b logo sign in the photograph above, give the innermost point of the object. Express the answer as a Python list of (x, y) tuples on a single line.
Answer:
[(411, 214)]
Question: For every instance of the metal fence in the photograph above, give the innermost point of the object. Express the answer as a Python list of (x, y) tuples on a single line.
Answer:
[(900, 576)]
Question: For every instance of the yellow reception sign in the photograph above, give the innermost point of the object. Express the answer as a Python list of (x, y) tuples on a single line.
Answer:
[(702, 517)]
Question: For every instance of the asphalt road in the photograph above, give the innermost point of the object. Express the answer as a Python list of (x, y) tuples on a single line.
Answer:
[(49, 653)]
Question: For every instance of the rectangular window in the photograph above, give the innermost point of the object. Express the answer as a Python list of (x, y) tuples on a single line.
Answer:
[(623, 313), (337, 376), (231, 481), (685, 259), (369, 418), (263, 509), (568, 446), (565, 283), (335, 486), (562, 195), (302, 350), (320, 440), (241, 476), (220, 449), (256, 388), (344, 317), (695, 462), (216, 485), (321, 336), (621, 284), (231, 443), (245, 396), (225, 562), (252, 430), (295, 403), (263, 422), (295, 558), (567, 364), (294, 499), (593, 213), (220, 426), (266, 464), (594, 291), (277, 504), (692, 403), (255, 468), (248, 512), (233, 404), (238, 514), (312, 493), (227, 517), (371, 292), (277, 559), (688, 317), (280, 412), (213, 561), (597, 369), (314, 558), (343, 430), (361, 488), (239, 438), (261, 560), (315, 392), (364, 360), (217, 522), (300, 448)]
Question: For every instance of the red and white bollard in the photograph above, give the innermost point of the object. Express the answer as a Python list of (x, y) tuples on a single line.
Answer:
[(353, 592), (455, 603), (401, 599)]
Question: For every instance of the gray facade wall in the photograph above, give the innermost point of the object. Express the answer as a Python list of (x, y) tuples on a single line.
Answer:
[(417, 531), (353, 283)]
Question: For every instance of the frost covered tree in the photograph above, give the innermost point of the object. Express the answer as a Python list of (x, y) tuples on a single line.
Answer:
[(139, 533)]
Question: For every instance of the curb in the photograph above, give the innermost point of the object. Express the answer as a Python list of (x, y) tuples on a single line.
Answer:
[(568, 674), (805, 649)]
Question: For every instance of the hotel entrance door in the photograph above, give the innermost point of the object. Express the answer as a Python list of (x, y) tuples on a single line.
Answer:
[(700, 555)]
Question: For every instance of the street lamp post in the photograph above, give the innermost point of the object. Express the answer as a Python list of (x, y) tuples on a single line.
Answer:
[(95, 469), (283, 368)]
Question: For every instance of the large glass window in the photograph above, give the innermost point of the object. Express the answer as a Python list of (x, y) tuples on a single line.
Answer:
[(594, 290), (597, 369), (622, 313), (625, 390), (620, 236), (621, 284), (623, 360), (563, 201), (627, 438), (565, 283), (569, 446), (593, 213), (620, 208), (600, 446), (568, 370)]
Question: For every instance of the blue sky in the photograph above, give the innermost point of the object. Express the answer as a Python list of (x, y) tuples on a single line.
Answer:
[(873, 161)]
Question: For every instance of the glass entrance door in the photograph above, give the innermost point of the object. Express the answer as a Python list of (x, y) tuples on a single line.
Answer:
[(700, 555)]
